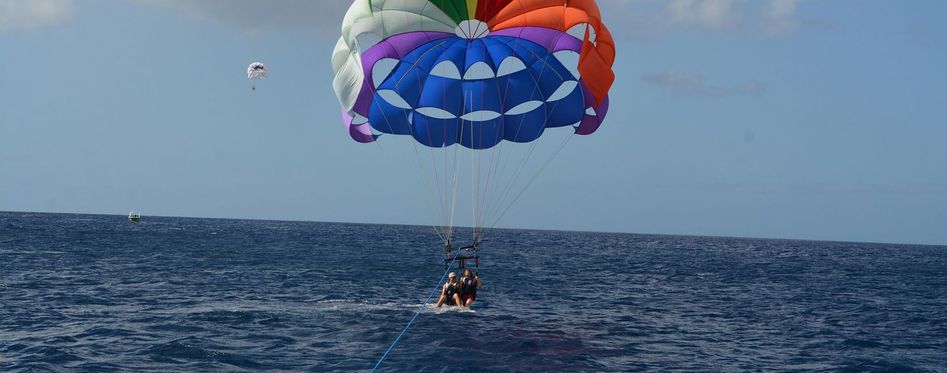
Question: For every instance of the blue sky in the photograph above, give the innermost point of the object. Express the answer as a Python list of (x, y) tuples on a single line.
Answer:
[(779, 118)]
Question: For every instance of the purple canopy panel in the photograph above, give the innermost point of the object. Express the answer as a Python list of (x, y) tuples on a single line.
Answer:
[(590, 123), (361, 133), (552, 40)]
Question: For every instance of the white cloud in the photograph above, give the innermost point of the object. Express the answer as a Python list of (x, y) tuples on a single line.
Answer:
[(628, 19), (691, 83), (781, 16), (634, 19), (27, 14), (711, 14), (324, 16), (650, 19)]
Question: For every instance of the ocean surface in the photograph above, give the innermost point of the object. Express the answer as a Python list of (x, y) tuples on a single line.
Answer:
[(99, 293)]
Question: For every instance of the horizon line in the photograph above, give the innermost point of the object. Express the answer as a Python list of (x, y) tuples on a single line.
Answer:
[(498, 228)]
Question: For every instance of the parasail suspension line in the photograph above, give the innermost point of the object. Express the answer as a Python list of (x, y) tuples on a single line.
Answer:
[(535, 176), (456, 176), (388, 122), (416, 314)]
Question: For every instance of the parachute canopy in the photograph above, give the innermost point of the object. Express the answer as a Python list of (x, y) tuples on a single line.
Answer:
[(478, 74), (257, 70), (472, 72)]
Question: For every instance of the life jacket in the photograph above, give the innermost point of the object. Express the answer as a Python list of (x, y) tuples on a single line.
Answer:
[(452, 289), (468, 287)]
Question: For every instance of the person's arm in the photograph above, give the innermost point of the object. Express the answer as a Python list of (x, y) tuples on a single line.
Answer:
[(444, 290)]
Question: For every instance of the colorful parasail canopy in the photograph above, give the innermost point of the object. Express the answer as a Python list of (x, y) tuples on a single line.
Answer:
[(472, 72)]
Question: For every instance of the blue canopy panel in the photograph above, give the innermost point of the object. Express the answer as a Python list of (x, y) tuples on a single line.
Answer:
[(477, 93)]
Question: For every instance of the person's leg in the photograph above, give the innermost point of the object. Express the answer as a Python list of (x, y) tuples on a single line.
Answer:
[(457, 301), (469, 302), (441, 300)]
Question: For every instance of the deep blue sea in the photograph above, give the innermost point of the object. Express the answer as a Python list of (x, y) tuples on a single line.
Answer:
[(99, 293)]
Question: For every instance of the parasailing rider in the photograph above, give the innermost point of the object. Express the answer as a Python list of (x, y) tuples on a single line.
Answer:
[(468, 288), (450, 292)]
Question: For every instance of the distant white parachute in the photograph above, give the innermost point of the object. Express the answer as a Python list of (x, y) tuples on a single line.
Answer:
[(257, 71)]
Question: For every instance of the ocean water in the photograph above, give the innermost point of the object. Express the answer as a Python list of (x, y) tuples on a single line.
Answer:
[(98, 293)]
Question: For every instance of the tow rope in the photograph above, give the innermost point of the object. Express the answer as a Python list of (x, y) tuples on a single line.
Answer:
[(416, 314)]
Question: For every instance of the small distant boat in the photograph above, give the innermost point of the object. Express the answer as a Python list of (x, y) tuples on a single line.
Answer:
[(134, 216)]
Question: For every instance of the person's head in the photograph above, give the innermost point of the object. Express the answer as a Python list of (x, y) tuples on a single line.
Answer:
[(467, 273), (452, 277)]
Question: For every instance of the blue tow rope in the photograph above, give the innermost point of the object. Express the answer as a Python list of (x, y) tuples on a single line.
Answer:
[(416, 314)]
